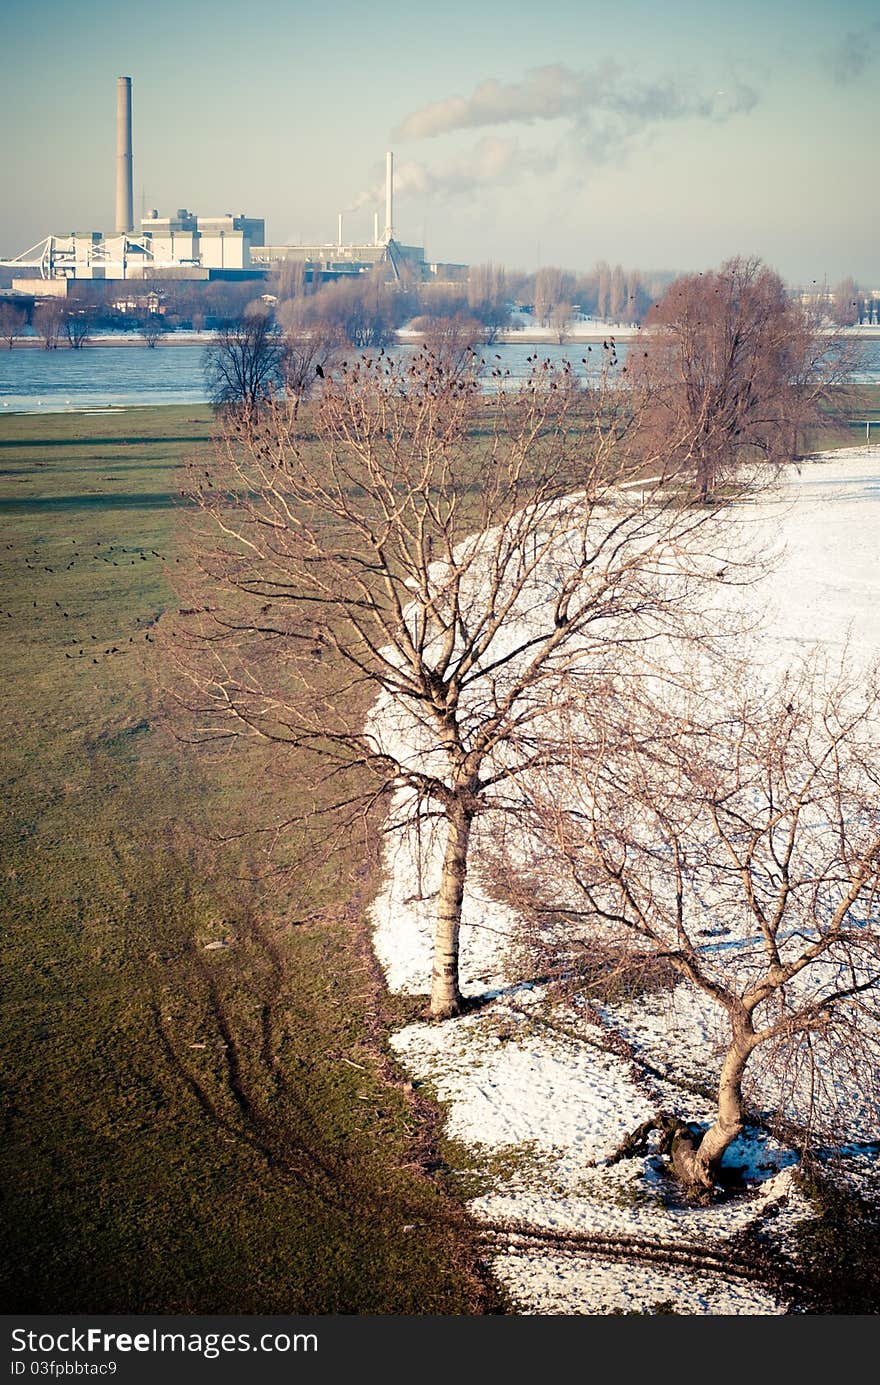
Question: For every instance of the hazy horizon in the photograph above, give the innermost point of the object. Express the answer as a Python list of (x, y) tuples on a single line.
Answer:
[(661, 138)]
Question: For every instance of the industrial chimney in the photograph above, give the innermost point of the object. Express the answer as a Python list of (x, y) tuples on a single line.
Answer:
[(124, 201), (389, 197)]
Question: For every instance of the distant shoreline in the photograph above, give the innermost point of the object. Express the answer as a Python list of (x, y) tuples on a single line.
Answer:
[(404, 338), (129, 339)]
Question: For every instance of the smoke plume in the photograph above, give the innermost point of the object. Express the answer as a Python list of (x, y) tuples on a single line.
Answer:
[(605, 96), (854, 54), (493, 161)]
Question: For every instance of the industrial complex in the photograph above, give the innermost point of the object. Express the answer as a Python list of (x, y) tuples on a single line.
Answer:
[(193, 247)]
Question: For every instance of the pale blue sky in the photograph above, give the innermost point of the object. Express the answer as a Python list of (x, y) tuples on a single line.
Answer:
[(663, 136)]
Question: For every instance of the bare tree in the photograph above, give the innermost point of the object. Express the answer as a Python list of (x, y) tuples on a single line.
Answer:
[(735, 367), (560, 321), (485, 282), (49, 321), (153, 328), (287, 280), (617, 294), (77, 323), (441, 300), (552, 287), (637, 300), (487, 298), (397, 541), (12, 321), (603, 290), (453, 343), (593, 291), (305, 349), (743, 852), (363, 310), (845, 303), (244, 365)]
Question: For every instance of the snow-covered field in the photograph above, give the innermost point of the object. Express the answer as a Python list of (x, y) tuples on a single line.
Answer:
[(544, 1088)]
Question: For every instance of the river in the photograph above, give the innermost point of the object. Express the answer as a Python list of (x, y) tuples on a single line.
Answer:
[(93, 379)]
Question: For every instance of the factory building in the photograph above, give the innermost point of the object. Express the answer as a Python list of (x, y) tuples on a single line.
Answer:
[(338, 260), (188, 246), (212, 242)]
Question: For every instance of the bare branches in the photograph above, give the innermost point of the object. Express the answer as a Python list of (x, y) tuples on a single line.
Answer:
[(736, 368), (244, 364), (78, 323), (744, 847), (452, 552), (48, 321), (12, 322)]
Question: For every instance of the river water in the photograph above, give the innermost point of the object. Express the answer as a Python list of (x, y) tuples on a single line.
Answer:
[(101, 377)]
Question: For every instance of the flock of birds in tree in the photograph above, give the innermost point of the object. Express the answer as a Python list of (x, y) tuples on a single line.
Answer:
[(609, 345)]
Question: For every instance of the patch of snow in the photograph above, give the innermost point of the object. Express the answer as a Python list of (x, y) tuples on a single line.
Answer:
[(556, 1093), (560, 1284)]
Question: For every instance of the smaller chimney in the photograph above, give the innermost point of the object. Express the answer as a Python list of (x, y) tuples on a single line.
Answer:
[(389, 197), (339, 241), (375, 228)]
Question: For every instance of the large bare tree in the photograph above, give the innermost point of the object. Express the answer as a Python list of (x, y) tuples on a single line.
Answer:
[(736, 367), (738, 843), (399, 540)]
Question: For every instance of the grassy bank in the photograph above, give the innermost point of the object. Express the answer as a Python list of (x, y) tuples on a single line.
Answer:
[(200, 1115), (856, 406)]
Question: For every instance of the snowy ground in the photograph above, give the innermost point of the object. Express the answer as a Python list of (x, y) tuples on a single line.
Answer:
[(526, 327), (544, 1089), (578, 328)]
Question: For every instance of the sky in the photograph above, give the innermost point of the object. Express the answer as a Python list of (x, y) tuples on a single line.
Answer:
[(659, 136)]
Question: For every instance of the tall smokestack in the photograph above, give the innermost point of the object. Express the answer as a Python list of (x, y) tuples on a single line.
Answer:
[(389, 196), (339, 241), (124, 201)]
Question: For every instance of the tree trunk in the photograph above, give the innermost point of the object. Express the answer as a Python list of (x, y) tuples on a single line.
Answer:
[(705, 474), (696, 1162), (446, 998)]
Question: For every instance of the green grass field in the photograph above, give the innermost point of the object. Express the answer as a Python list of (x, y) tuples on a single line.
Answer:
[(860, 407), (187, 1128)]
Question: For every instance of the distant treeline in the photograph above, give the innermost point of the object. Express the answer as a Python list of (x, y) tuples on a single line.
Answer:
[(367, 309)]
